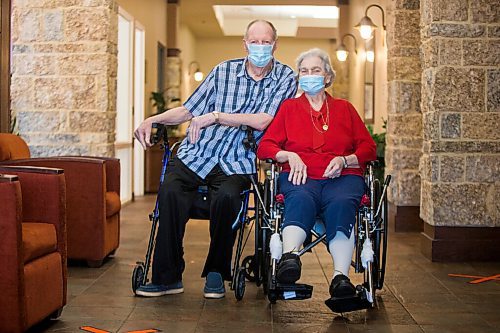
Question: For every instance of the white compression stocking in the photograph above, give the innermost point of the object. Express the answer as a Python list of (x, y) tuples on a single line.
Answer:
[(341, 249), (293, 238)]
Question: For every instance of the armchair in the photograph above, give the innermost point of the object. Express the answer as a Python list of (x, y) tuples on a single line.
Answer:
[(32, 246), (92, 198)]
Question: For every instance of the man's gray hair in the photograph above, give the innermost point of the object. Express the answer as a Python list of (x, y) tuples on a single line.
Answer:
[(275, 33), (325, 59)]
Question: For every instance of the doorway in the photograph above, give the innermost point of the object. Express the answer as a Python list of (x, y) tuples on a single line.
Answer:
[(130, 103)]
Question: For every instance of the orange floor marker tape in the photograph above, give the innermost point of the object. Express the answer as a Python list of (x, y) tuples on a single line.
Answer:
[(93, 329), (477, 279)]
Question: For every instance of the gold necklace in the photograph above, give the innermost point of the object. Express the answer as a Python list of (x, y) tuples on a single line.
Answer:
[(325, 123)]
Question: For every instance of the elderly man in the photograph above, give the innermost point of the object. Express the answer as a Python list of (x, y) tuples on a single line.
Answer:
[(246, 91)]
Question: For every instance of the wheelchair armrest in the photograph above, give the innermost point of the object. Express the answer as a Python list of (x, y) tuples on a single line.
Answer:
[(374, 163), (270, 160)]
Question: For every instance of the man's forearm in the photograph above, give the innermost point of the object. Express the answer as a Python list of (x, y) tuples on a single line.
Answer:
[(258, 121), (173, 116)]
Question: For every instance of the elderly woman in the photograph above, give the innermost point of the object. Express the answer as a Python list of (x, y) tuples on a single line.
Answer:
[(323, 147)]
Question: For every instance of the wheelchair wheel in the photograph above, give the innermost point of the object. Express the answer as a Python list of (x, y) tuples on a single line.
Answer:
[(265, 237), (137, 276), (248, 264), (380, 240), (239, 288)]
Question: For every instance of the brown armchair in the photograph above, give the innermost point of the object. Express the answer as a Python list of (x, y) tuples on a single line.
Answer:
[(92, 198), (32, 246)]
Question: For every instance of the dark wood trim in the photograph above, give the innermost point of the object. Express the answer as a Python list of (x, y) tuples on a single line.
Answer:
[(405, 218), (452, 244), (5, 66), (173, 52), (31, 169), (8, 178)]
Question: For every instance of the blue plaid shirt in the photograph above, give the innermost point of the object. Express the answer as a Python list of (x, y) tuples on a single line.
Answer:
[(230, 89)]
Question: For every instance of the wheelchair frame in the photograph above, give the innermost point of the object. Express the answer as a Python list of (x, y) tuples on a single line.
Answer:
[(371, 228), (239, 272)]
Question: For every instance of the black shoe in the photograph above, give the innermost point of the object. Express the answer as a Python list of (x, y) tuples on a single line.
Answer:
[(289, 268), (341, 286)]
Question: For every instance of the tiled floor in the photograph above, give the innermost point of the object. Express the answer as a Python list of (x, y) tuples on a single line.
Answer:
[(418, 295)]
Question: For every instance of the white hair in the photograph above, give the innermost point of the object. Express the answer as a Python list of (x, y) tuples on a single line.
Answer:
[(325, 59)]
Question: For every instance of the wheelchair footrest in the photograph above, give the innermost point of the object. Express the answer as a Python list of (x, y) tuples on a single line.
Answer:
[(351, 303), (294, 291)]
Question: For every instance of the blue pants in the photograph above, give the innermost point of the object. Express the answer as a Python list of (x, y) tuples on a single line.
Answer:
[(335, 201)]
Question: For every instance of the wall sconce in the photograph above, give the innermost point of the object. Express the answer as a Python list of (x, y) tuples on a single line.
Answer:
[(370, 56), (198, 75), (366, 25), (342, 52)]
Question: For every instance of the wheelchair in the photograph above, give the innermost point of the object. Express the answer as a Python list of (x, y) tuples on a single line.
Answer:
[(200, 210), (370, 251)]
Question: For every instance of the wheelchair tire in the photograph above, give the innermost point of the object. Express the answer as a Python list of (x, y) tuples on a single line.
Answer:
[(248, 265), (239, 290), (265, 237), (138, 276), (380, 240)]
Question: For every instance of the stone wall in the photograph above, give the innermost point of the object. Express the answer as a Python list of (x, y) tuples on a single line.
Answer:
[(64, 75), (460, 166), (404, 125)]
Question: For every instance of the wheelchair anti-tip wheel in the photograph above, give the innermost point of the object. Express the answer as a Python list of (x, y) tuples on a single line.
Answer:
[(137, 276), (249, 266), (239, 288)]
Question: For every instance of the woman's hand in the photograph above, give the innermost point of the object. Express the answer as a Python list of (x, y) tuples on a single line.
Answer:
[(197, 123), (334, 168), (298, 170)]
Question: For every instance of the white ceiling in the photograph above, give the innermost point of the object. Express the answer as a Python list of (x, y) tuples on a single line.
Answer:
[(288, 20), (292, 18)]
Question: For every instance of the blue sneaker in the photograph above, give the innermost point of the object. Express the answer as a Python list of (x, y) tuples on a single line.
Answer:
[(155, 290), (214, 286)]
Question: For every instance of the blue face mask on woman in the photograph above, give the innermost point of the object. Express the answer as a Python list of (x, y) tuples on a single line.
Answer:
[(260, 55), (312, 84)]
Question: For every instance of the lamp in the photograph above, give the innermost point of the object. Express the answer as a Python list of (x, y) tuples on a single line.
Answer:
[(198, 75), (342, 52), (366, 25)]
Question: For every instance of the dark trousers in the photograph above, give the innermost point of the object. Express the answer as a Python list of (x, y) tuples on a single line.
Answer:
[(176, 196)]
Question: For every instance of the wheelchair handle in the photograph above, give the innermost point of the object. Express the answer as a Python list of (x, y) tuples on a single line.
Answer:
[(161, 133), (249, 142)]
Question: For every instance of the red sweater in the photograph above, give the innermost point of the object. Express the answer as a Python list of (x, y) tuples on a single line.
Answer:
[(292, 130)]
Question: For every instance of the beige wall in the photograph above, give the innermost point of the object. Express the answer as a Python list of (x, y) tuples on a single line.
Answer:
[(152, 15), (356, 63), (211, 51)]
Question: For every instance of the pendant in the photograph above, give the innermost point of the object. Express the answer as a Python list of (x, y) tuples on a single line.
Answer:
[(325, 127)]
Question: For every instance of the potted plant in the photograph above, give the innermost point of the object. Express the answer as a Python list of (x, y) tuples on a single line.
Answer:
[(160, 103), (379, 139)]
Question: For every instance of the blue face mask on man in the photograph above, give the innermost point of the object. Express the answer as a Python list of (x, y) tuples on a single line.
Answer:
[(312, 84), (260, 55)]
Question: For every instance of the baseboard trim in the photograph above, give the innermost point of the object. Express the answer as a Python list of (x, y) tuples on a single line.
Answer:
[(405, 218), (453, 244)]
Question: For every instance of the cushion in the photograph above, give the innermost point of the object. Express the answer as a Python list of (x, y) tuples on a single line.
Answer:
[(38, 239), (113, 203), (12, 147)]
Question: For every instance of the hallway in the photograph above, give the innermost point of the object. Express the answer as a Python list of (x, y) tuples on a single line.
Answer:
[(418, 296)]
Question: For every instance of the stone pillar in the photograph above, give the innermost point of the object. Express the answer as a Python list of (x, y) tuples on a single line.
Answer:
[(460, 166), (404, 124), (64, 75)]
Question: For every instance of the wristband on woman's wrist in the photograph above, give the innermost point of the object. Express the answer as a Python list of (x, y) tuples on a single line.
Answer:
[(345, 161)]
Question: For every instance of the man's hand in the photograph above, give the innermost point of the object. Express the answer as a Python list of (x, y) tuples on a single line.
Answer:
[(143, 133), (197, 123), (334, 168)]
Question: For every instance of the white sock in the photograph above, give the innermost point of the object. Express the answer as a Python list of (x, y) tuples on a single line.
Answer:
[(293, 238), (341, 248)]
